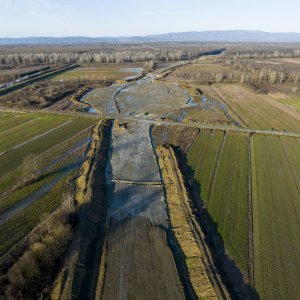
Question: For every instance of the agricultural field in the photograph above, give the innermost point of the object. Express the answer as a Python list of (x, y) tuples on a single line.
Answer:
[(203, 71), (39, 153), (251, 189), (228, 198), (292, 101), (276, 206), (257, 110), (104, 72), (203, 157), (223, 182)]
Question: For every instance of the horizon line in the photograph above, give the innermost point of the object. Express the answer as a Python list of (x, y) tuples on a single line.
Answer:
[(147, 35)]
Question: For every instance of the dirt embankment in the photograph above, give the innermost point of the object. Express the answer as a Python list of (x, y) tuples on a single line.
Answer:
[(78, 276), (176, 136), (201, 271)]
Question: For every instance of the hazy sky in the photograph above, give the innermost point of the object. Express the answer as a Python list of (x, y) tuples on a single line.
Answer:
[(19, 18)]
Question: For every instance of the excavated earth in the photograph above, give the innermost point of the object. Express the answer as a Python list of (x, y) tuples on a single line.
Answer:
[(139, 263)]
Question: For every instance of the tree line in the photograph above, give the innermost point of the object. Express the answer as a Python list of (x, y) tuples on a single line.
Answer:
[(27, 59)]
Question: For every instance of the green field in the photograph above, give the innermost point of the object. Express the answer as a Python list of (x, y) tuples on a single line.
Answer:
[(275, 203), (58, 154), (258, 110), (13, 159), (26, 131), (202, 158), (229, 197), (9, 121), (101, 72), (293, 102), (22, 223), (276, 207), (46, 160)]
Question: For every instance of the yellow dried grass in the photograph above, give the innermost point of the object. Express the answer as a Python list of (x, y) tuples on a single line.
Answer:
[(181, 227)]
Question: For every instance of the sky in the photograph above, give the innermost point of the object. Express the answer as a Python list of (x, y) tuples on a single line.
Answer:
[(23, 18)]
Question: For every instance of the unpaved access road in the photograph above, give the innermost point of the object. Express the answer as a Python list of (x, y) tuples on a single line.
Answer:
[(139, 263)]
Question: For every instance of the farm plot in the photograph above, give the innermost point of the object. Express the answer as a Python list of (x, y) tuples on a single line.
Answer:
[(202, 72), (47, 160), (9, 121), (39, 182), (26, 132), (220, 166), (26, 198), (12, 231), (102, 72), (257, 110), (276, 207), (292, 101), (228, 202), (202, 159), (265, 233), (14, 158)]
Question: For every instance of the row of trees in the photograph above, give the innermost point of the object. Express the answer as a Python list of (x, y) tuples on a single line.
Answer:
[(16, 59), (254, 76), (262, 51), (264, 72)]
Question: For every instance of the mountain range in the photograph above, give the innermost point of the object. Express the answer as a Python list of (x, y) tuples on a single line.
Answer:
[(190, 36)]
